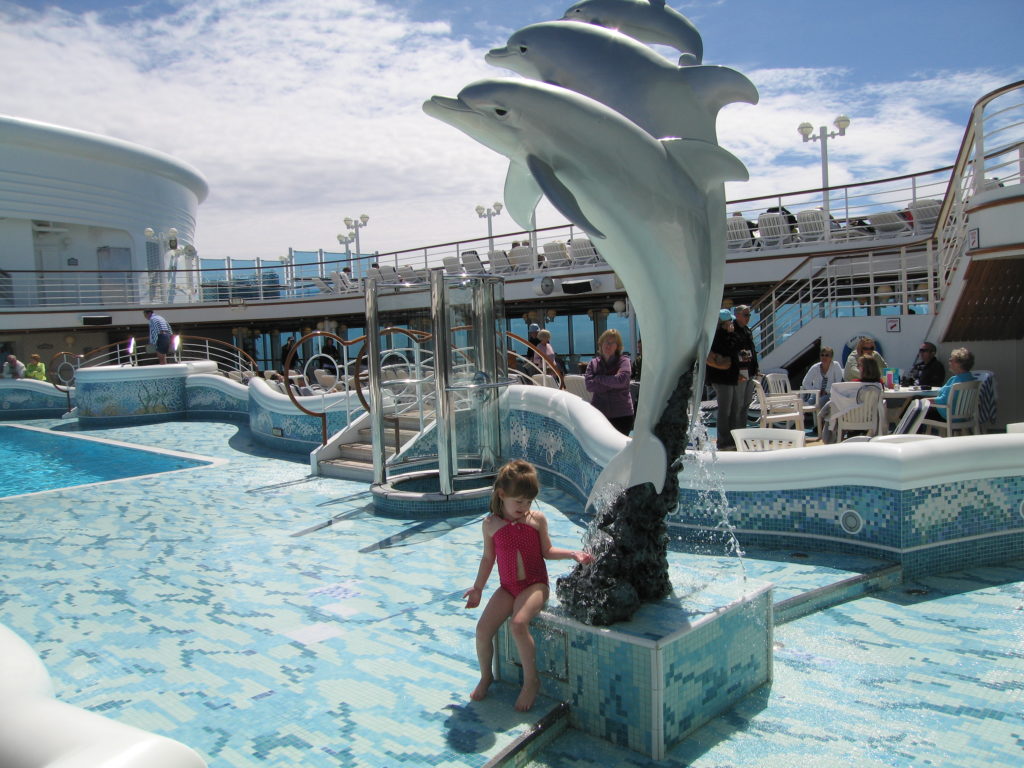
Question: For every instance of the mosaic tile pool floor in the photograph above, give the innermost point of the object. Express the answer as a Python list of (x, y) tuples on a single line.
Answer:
[(185, 605)]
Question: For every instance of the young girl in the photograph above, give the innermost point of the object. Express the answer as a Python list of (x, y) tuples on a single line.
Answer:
[(517, 537)]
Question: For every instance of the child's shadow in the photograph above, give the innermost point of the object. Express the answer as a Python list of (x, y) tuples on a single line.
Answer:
[(473, 727)]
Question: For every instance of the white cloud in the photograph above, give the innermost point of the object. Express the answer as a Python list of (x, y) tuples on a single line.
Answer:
[(300, 114)]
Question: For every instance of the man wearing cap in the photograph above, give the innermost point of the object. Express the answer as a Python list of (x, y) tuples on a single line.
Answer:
[(723, 372)]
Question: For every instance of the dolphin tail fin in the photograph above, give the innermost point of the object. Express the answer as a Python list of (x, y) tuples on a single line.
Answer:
[(644, 460)]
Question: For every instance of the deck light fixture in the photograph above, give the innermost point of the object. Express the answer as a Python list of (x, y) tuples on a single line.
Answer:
[(489, 213), (354, 225), (806, 130)]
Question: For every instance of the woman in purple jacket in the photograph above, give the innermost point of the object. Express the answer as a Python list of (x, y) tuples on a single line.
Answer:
[(607, 379)]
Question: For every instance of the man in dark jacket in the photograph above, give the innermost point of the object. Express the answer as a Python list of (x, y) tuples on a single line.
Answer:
[(746, 355), (927, 370)]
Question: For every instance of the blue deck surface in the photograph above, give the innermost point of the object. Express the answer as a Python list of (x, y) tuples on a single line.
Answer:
[(185, 604)]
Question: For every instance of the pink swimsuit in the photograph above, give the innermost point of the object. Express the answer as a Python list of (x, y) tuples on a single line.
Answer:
[(513, 538)]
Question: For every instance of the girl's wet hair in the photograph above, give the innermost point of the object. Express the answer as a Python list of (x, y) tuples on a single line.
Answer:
[(517, 479)]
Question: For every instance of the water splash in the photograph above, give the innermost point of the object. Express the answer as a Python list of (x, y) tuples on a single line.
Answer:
[(702, 466)]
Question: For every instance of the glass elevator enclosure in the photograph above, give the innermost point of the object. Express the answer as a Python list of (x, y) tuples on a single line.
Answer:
[(436, 380)]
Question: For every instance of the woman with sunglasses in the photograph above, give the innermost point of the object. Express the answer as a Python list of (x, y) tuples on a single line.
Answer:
[(822, 375), (865, 346)]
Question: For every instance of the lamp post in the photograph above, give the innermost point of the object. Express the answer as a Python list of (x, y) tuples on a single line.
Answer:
[(345, 240), (805, 130), (489, 213), (355, 225)]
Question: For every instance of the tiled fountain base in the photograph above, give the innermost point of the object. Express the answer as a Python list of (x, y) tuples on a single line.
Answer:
[(649, 682)]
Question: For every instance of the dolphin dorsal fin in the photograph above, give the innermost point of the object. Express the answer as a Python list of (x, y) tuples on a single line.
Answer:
[(707, 163), (521, 195), (717, 86), (560, 196)]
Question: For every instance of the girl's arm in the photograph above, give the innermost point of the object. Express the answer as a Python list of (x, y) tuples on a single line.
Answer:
[(474, 593), (556, 553)]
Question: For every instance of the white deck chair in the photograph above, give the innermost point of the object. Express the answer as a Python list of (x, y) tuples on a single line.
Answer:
[(452, 265), (778, 384), (738, 236), (324, 287), (889, 224), (961, 411), (778, 409), (758, 439), (389, 273), (500, 263), (811, 225), (854, 406), (926, 213), (521, 258), (556, 255), (582, 251), (545, 380), (578, 386), (774, 230), (325, 379), (408, 274), (343, 283), (471, 263)]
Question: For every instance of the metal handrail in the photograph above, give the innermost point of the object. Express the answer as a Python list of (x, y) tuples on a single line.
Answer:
[(811, 289)]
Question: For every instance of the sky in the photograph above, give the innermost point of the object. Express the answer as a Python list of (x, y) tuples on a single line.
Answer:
[(300, 113)]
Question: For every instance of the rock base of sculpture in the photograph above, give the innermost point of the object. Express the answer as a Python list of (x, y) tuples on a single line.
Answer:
[(629, 538), (652, 681)]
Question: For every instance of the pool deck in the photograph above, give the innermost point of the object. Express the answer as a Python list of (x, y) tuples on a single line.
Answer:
[(265, 618)]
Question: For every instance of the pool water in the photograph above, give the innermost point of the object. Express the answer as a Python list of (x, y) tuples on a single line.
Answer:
[(33, 461)]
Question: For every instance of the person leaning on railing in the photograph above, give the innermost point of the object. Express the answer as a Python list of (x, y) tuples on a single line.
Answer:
[(36, 369), (14, 368)]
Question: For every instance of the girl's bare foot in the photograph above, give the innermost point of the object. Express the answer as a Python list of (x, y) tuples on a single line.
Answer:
[(480, 692), (528, 694)]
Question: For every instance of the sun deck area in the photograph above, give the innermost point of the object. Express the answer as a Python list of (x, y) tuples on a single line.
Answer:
[(267, 618)]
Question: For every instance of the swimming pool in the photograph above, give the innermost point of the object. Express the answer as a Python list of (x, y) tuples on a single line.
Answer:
[(33, 460)]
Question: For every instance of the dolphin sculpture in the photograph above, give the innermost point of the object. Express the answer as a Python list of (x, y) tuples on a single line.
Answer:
[(650, 21), (664, 99), (617, 70), (604, 173)]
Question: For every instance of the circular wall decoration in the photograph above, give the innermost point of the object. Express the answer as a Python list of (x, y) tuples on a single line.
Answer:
[(851, 521)]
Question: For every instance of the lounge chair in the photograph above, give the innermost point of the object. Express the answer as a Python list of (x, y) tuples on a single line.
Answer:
[(760, 439), (471, 263), (738, 236)]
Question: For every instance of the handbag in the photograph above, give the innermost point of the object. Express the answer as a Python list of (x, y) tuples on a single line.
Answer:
[(721, 362)]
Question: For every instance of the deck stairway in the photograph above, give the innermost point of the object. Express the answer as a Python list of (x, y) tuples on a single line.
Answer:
[(924, 274), (350, 455)]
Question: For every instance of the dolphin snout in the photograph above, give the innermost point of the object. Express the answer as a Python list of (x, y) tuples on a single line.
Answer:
[(496, 54), (437, 106)]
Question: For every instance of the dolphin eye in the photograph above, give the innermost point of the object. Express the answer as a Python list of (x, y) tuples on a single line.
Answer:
[(500, 112), (522, 50)]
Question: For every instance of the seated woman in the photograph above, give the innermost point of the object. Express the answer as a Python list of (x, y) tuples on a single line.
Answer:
[(868, 371), (865, 346), (961, 361), (821, 376)]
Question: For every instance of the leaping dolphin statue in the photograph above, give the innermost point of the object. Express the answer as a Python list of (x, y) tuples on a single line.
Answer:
[(650, 21), (664, 99), (604, 173)]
